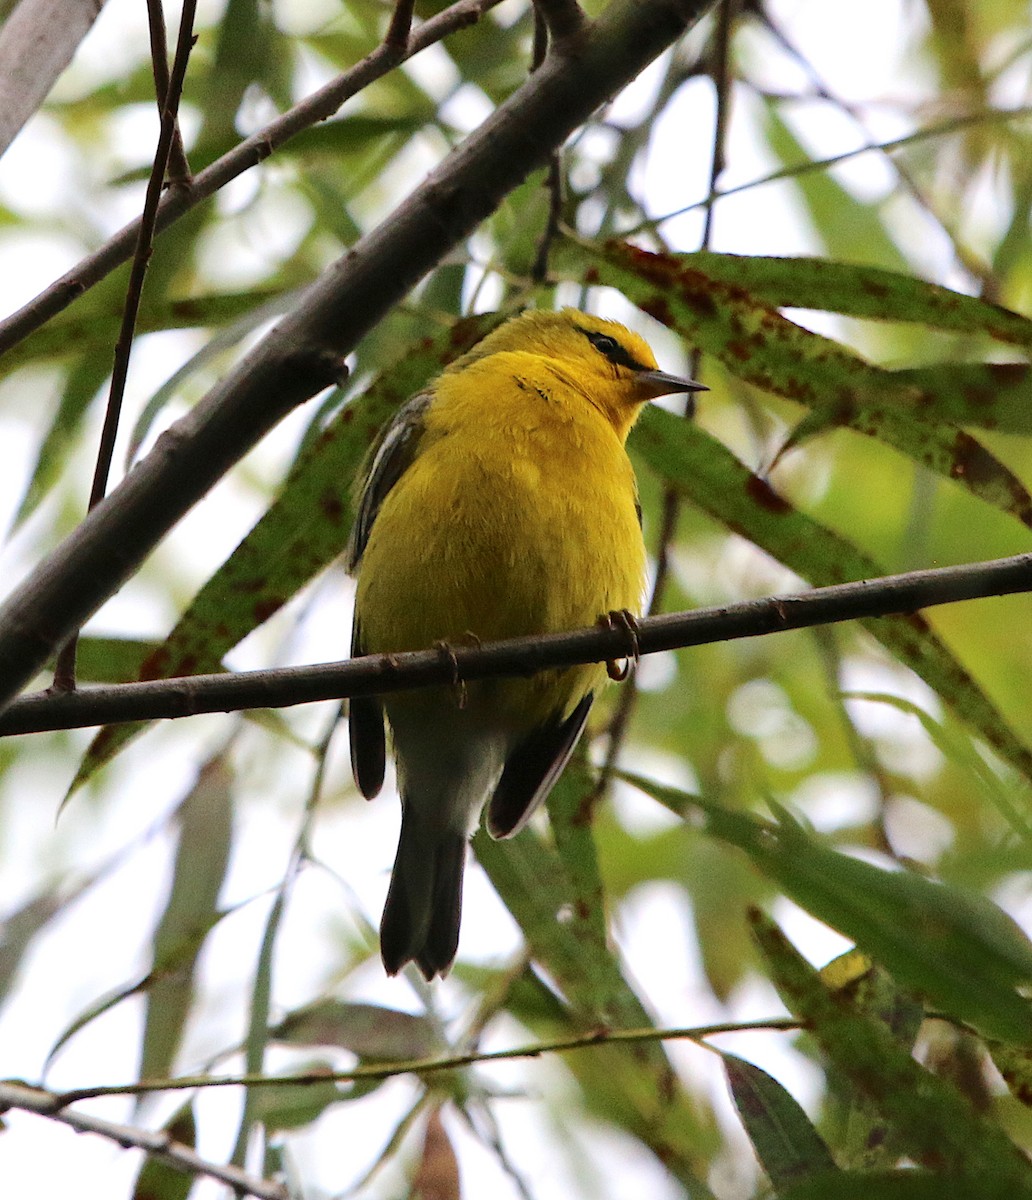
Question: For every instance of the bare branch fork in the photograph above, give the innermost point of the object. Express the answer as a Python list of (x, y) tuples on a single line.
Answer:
[(305, 352), (188, 696)]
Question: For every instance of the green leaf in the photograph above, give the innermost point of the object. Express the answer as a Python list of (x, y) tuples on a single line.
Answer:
[(894, 1185), (636, 1089), (761, 347), (371, 1031), (158, 1179), (704, 470), (937, 1124), (787, 1145), (292, 1106), (862, 291), (953, 946), (205, 819)]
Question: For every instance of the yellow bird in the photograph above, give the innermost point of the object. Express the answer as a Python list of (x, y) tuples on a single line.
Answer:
[(499, 502)]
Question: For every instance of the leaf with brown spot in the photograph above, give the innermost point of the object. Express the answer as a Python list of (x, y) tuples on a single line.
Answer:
[(704, 471), (860, 291), (725, 305)]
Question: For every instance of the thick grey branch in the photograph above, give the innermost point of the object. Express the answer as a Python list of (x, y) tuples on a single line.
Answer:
[(188, 696), (303, 354), (158, 1144)]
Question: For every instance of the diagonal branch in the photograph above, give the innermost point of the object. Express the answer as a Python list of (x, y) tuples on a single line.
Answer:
[(304, 353), (188, 696), (157, 1144)]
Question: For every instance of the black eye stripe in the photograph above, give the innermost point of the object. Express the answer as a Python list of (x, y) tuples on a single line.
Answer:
[(611, 349)]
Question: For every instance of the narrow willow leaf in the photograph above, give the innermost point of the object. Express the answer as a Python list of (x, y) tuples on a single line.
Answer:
[(869, 1141), (159, 1179), (637, 1090), (939, 1127), (437, 1176), (953, 946), (1015, 1065), (895, 1185), (988, 395), (205, 819), (958, 749), (862, 291), (293, 1106), (368, 1030), (787, 1145), (760, 346), (707, 473)]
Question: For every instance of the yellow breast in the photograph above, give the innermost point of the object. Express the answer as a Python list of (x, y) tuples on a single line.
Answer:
[(516, 517)]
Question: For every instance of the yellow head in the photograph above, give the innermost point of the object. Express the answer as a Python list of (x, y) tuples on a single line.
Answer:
[(610, 364)]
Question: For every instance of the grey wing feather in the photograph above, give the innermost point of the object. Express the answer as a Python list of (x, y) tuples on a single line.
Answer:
[(532, 769), (389, 460)]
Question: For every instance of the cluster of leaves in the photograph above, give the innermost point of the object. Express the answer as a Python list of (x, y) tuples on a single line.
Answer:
[(917, 463)]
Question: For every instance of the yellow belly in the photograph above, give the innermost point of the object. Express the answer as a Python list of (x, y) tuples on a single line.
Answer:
[(519, 521)]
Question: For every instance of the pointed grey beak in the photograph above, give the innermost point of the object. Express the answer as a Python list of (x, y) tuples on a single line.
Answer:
[(660, 383)]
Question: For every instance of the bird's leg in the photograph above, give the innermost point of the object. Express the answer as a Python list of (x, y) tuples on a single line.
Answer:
[(622, 618), (447, 652)]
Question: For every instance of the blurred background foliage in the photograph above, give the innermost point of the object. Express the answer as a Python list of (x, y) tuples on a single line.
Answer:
[(208, 898)]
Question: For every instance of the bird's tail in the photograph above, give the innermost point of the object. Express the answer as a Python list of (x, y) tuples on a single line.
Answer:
[(424, 902)]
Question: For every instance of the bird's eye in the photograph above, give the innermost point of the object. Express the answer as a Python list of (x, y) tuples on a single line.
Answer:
[(605, 344), (610, 348)]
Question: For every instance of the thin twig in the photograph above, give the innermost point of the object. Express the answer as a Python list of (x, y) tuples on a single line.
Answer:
[(553, 180), (177, 169), (64, 674), (671, 503), (400, 29), (978, 271), (564, 18), (157, 1144), (249, 153), (376, 674), (554, 187), (430, 1066), (990, 116)]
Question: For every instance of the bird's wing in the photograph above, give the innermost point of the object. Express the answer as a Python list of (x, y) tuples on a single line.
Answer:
[(532, 769), (390, 459)]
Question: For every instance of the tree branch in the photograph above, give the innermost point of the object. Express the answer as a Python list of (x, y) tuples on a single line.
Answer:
[(433, 1066), (564, 18), (249, 153), (191, 695), (170, 90), (304, 353), (157, 1144)]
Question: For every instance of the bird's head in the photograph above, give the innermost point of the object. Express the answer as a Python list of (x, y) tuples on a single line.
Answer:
[(611, 364)]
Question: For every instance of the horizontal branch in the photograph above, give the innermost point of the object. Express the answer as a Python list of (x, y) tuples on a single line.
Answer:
[(432, 1066), (157, 1144), (191, 695), (305, 352)]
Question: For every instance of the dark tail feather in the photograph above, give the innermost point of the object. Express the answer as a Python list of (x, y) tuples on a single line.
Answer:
[(424, 902)]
